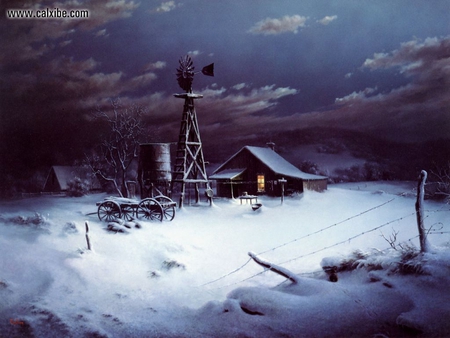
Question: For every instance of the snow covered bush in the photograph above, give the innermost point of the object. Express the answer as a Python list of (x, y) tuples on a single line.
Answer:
[(172, 264), (406, 260), (310, 167), (77, 187), (70, 228), (38, 220)]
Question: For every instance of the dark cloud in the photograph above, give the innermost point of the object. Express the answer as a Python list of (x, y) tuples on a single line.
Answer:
[(56, 72), (32, 38), (416, 111)]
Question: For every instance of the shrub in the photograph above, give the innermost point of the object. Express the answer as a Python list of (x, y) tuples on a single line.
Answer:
[(77, 187)]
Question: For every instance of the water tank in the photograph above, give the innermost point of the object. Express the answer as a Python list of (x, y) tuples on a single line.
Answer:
[(154, 168)]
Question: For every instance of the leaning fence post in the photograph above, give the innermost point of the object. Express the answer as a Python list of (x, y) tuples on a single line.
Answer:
[(275, 268), (88, 241), (424, 245)]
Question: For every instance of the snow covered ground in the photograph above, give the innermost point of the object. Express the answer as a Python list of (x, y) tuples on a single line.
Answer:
[(192, 277)]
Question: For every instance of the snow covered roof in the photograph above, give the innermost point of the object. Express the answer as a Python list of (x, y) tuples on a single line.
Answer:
[(228, 174), (275, 162), (66, 173)]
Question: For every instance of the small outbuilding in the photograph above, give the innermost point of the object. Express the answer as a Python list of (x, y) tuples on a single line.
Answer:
[(260, 170), (59, 177)]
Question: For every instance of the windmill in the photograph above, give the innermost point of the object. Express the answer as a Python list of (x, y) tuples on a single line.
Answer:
[(189, 162)]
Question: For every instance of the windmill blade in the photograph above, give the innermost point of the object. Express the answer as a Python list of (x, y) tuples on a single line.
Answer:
[(185, 73)]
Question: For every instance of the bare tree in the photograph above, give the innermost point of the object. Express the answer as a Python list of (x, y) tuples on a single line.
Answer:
[(442, 177), (119, 148)]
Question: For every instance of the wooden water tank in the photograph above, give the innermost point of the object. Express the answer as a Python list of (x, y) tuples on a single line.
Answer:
[(154, 169)]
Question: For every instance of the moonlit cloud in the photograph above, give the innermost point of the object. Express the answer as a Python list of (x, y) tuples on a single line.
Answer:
[(194, 53), (415, 111), (166, 7), (65, 43), (413, 56), (277, 26), (327, 20), (219, 111), (101, 32), (239, 86), (363, 94), (155, 65)]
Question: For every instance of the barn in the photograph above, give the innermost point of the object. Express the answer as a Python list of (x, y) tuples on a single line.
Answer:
[(260, 170), (59, 177)]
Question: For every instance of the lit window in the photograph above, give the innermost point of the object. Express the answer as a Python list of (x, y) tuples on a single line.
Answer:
[(260, 181)]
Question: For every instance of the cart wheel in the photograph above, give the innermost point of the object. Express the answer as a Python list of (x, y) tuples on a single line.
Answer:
[(150, 209), (168, 206), (128, 212), (109, 211)]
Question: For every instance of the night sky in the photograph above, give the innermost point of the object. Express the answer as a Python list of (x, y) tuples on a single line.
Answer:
[(380, 67)]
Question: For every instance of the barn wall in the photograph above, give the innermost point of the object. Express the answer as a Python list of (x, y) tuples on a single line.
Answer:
[(52, 184), (315, 185), (248, 181), (224, 188), (246, 159)]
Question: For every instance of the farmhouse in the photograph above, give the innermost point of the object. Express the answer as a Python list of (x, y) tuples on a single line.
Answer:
[(258, 170), (59, 177)]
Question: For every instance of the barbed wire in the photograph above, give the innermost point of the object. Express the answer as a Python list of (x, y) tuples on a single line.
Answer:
[(431, 232), (326, 228), (297, 239), (347, 240), (228, 274), (324, 248)]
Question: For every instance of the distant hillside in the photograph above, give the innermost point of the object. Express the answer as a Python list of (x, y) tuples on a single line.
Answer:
[(337, 148)]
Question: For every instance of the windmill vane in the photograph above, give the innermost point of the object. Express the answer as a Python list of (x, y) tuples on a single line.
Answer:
[(185, 72)]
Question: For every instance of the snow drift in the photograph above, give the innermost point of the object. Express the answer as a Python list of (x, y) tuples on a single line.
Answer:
[(193, 277)]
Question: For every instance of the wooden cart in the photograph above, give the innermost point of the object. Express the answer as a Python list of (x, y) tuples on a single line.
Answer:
[(157, 208)]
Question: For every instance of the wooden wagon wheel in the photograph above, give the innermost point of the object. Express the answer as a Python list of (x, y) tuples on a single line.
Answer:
[(109, 211), (168, 206), (128, 212), (150, 209)]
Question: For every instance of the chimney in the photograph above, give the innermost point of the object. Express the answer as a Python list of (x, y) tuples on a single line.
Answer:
[(271, 145)]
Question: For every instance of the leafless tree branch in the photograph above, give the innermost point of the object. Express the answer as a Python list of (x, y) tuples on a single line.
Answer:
[(120, 147)]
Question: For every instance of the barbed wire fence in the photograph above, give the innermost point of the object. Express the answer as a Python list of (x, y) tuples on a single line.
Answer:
[(431, 231)]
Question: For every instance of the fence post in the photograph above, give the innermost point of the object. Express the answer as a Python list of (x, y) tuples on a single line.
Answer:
[(275, 268), (424, 245), (88, 241)]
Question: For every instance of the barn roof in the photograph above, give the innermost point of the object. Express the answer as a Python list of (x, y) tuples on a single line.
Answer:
[(63, 174), (66, 173), (274, 162), (228, 174)]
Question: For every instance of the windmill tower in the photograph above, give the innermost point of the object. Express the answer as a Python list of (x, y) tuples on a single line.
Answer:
[(189, 162)]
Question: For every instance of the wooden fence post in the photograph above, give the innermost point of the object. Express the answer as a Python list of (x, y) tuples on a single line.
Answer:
[(275, 268), (424, 245), (88, 241)]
